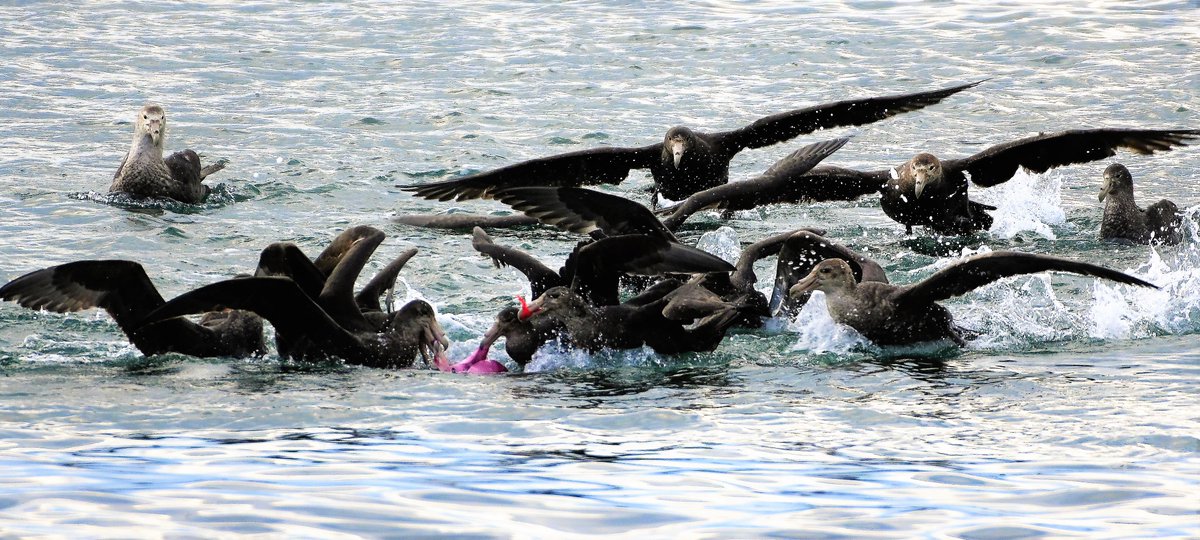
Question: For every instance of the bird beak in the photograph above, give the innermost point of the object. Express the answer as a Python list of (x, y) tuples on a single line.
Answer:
[(677, 151), (154, 128), (490, 336), (435, 334), (1103, 194), (920, 178), (528, 309), (808, 284)]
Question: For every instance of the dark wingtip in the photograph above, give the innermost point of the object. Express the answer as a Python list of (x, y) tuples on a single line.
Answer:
[(836, 144), (951, 90), (1141, 282), (465, 221)]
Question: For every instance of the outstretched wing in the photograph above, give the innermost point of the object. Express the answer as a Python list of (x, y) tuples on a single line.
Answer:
[(276, 299), (121, 288), (583, 211), (974, 272), (1046, 151), (597, 266), (854, 112), (540, 276), (285, 259), (743, 277), (465, 221), (337, 248), (368, 297), (776, 185), (337, 297), (606, 165)]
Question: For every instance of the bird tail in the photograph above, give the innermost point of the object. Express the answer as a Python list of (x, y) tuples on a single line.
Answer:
[(980, 219)]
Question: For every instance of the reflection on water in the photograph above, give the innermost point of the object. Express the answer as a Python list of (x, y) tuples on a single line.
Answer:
[(1071, 413), (969, 442)]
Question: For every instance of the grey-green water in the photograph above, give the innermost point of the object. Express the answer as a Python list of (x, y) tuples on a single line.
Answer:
[(1074, 414)]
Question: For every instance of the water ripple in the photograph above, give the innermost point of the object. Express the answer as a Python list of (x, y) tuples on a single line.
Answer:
[(1070, 416)]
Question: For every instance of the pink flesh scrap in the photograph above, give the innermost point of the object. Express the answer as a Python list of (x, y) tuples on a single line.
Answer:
[(477, 364)]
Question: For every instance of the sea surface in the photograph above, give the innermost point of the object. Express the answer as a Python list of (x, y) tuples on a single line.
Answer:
[(1075, 413)]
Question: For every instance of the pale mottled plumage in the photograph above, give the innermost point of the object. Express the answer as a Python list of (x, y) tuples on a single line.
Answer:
[(902, 314), (145, 173)]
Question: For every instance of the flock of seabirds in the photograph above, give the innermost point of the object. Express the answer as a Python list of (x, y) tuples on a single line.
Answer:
[(682, 299)]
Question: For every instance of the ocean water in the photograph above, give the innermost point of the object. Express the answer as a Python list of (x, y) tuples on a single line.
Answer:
[(1074, 414)]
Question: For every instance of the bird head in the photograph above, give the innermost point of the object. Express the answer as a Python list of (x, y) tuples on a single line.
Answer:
[(828, 276), (151, 122), (678, 140), (1116, 179), (925, 169), (556, 300), (417, 319)]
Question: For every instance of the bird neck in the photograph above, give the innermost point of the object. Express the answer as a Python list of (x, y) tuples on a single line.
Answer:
[(1121, 201), (840, 293), (143, 147), (581, 319)]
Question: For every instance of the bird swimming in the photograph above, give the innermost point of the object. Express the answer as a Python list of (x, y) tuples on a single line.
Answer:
[(123, 289), (331, 325), (1159, 223), (144, 173), (932, 192), (890, 314)]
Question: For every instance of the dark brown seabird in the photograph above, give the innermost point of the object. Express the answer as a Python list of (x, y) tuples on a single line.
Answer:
[(628, 325), (931, 192), (783, 182), (123, 289), (904, 314), (686, 161), (144, 172), (334, 323), (1159, 223), (594, 268), (522, 337), (601, 214)]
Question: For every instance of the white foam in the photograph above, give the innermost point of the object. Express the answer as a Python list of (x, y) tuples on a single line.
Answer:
[(555, 356), (1016, 312), (818, 332), (1122, 312), (723, 243), (1026, 202)]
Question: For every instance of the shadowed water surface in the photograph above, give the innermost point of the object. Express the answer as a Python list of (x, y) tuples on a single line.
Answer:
[(1073, 414)]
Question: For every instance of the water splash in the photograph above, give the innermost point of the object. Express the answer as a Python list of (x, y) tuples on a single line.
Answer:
[(1027, 202), (222, 195), (1122, 312), (723, 243), (555, 355), (819, 333), (1013, 314)]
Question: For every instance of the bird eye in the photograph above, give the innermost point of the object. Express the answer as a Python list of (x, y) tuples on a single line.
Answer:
[(144, 117), (824, 270)]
